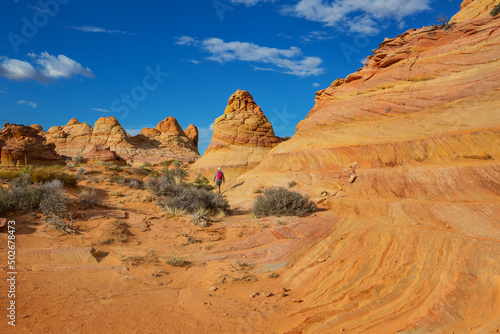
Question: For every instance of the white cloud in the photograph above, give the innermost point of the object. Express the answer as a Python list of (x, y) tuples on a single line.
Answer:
[(315, 84), (29, 103), (196, 62), (186, 40), (205, 134), (318, 35), (48, 68), (100, 109), (2, 91), (290, 61), (357, 15), (99, 29), (249, 2)]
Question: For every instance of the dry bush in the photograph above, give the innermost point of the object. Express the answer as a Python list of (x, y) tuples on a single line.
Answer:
[(282, 202), (89, 199)]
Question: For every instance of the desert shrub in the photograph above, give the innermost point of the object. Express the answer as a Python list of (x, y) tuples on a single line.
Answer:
[(104, 163), (7, 203), (292, 184), (135, 183), (201, 182), (192, 199), (81, 171), (161, 186), (61, 224), (22, 195), (286, 138), (140, 170), (70, 166), (48, 174), (53, 200), (89, 199), (282, 202), (9, 174), (177, 260), (444, 23), (495, 10), (79, 159), (200, 217)]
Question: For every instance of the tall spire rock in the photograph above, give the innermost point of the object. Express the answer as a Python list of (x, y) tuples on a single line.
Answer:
[(242, 136), (242, 124), (192, 133)]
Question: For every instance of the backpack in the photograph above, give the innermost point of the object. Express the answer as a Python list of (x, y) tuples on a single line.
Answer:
[(219, 175)]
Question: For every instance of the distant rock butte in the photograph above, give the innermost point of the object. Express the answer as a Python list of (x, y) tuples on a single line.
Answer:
[(241, 138), (21, 145), (100, 153), (166, 141), (417, 249)]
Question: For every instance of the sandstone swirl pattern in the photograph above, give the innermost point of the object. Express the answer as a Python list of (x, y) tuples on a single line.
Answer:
[(416, 248)]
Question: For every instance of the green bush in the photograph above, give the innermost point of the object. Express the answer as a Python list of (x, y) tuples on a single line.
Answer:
[(201, 182), (495, 10), (282, 202)]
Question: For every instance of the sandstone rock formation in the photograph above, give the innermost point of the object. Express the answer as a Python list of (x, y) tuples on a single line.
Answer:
[(108, 132), (417, 248), (72, 139), (166, 141), (192, 133), (101, 153), (22, 145), (241, 138)]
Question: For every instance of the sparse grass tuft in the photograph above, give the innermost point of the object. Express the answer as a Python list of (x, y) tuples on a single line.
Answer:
[(49, 174), (292, 184), (177, 260), (282, 202)]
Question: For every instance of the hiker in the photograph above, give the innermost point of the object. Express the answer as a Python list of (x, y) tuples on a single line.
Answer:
[(219, 178)]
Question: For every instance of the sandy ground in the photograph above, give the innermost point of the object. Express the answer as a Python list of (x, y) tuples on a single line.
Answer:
[(112, 275)]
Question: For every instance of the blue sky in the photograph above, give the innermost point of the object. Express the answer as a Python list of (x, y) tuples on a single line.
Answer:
[(142, 61)]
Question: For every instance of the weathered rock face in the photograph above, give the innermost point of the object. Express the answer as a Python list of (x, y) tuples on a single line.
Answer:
[(417, 249), (192, 133), (21, 145), (101, 153), (166, 141), (72, 139), (243, 124), (108, 132), (242, 136)]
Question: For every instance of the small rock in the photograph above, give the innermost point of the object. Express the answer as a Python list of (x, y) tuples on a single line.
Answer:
[(155, 275), (352, 178), (253, 294), (324, 193), (297, 300), (212, 288), (3, 222), (266, 293), (162, 272), (337, 176), (282, 292), (203, 223), (354, 165)]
